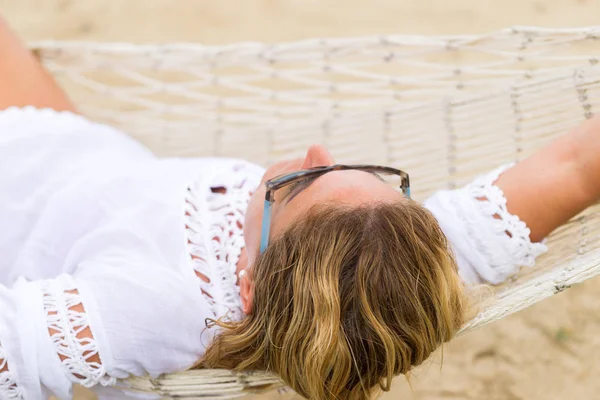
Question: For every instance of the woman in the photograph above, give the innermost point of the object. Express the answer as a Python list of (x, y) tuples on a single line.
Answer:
[(115, 263)]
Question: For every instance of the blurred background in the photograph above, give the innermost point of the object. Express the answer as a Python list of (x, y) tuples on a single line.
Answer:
[(550, 351)]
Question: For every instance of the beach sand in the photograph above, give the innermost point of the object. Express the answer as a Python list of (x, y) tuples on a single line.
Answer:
[(550, 351)]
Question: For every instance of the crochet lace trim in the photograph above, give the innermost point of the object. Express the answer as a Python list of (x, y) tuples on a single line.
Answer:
[(70, 333), (215, 238), (513, 236)]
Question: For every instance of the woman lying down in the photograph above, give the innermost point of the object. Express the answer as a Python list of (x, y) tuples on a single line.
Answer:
[(116, 263)]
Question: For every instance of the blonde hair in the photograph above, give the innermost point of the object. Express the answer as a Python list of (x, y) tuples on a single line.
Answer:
[(346, 299)]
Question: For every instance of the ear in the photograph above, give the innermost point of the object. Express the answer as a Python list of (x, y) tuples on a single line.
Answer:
[(246, 293), (317, 156)]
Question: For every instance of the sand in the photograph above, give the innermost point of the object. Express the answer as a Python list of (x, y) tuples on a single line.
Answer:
[(549, 351)]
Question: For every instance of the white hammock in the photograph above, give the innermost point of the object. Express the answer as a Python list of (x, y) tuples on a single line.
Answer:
[(442, 108)]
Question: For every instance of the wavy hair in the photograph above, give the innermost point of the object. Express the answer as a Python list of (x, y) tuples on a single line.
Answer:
[(345, 299)]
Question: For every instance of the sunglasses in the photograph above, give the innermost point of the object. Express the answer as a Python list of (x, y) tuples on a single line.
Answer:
[(290, 182)]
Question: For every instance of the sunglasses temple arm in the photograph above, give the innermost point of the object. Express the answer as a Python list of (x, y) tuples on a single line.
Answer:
[(407, 186), (266, 227)]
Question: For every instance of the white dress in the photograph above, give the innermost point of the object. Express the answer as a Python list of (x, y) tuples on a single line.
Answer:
[(90, 217)]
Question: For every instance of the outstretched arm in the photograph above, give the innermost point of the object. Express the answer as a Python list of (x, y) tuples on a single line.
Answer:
[(557, 182), (544, 191), (119, 314), (23, 80)]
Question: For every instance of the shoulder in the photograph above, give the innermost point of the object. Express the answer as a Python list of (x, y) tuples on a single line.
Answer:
[(489, 242)]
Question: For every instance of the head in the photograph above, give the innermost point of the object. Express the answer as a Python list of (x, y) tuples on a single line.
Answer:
[(356, 286)]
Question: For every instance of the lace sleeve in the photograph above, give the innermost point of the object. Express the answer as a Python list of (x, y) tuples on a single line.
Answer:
[(122, 312), (47, 343), (490, 243)]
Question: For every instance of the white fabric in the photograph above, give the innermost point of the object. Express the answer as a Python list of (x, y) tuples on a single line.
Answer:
[(91, 219), (223, 232), (85, 208), (489, 243)]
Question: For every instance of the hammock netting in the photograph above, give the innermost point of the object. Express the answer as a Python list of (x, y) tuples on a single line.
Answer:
[(443, 108)]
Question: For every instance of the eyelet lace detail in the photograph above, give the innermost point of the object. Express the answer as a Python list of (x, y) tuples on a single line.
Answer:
[(67, 328), (509, 227), (8, 384), (214, 215), (510, 245)]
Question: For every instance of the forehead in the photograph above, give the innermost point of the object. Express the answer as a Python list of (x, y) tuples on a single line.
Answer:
[(349, 187), (352, 186)]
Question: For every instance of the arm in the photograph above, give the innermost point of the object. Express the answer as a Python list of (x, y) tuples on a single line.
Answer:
[(23, 80), (109, 320), (556, 183), (495, 223)]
